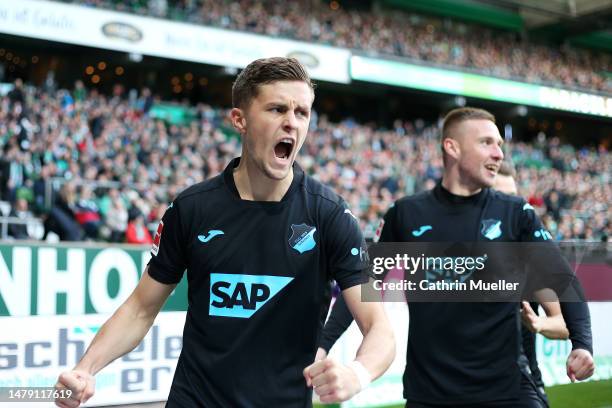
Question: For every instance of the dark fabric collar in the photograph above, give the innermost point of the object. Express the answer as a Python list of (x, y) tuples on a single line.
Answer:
[(228, 176), (445, 197)]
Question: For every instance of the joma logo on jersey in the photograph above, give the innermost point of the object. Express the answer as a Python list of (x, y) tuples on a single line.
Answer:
[(242, 295)]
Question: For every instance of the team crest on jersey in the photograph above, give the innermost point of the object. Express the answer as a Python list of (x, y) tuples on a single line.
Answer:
[(491, 229), (157, 238), (302, 237)]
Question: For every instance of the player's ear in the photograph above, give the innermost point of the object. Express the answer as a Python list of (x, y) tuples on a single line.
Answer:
[(238, 119), (451, 147)]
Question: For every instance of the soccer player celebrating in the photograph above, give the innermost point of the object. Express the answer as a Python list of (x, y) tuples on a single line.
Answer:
[(467, 354), (260, 243)]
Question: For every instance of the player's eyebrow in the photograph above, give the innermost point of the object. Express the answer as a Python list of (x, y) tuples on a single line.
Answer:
[(500, 141), (304, 107), (275, 103), (285, 105)]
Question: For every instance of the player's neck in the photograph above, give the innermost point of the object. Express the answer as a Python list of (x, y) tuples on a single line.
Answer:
[(253, 185), (452, 182)]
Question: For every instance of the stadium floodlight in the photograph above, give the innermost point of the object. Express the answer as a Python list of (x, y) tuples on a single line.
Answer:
[(230, 71), (135, 57), (508, 132), (460, 101)]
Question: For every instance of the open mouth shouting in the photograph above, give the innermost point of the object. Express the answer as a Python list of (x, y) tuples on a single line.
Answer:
[(283, 150)]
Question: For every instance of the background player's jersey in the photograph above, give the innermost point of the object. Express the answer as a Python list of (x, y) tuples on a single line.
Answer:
[(461, 352), (258, 277)]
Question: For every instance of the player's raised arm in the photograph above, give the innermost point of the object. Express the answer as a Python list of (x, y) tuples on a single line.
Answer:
[(119, 335)]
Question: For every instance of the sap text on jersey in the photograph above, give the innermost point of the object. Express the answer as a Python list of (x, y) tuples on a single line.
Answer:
[(241, 296)]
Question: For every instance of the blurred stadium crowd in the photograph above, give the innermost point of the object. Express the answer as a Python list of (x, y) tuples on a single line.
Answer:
[(432, 40), (100, 167)]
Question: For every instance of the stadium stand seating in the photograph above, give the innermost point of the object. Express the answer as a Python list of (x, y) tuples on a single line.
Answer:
[(393, 33), (89, 167)]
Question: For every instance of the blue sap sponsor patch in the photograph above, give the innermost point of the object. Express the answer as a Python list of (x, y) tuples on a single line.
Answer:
[(241, 296)]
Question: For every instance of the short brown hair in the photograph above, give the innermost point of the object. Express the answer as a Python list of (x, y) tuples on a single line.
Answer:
[(265, 71), (459, 115), (506, 168)]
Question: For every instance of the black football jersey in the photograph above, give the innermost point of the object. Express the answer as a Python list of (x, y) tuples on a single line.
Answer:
[(258, 287)]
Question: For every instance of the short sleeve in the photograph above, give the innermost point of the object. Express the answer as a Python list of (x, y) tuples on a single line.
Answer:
[(168, 260), (545, 264), (346, 249), (530, 226)]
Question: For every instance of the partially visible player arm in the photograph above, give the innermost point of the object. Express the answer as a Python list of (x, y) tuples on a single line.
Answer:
[(339, 320), (119, 335), (580, 364), (377, 348), (347, 252), (551, 326), (575, 310), (336, 382)]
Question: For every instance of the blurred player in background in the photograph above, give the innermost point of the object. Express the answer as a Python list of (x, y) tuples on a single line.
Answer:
[(260, 243), (468, 353)]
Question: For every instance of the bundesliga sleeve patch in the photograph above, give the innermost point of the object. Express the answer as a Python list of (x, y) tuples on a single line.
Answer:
[(157, 239), (379, 230)]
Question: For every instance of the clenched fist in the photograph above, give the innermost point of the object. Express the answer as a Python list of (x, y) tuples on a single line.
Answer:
[(332, 381), (82, 385), (580, 365)]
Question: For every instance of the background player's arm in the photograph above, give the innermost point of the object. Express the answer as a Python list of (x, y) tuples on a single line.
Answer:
[(119, 335), (340, 318), (551, 326)]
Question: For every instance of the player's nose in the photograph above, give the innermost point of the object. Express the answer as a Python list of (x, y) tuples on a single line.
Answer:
[(497, 154), (290, 121)]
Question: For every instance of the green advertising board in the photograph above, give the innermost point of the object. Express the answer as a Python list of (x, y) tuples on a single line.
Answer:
[(39, 279), (414, 76)]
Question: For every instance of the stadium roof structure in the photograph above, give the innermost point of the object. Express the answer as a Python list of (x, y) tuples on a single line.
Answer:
[(586, 23)]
